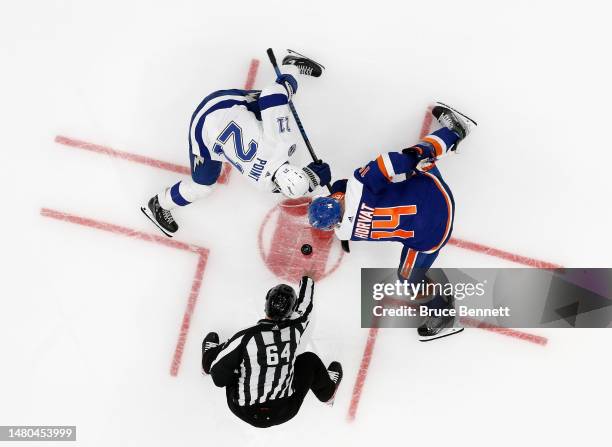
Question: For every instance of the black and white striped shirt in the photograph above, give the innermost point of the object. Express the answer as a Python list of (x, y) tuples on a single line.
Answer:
[(264, 355)]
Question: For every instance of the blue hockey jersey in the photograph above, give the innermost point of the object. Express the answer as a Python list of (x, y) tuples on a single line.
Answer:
[(388, 200)]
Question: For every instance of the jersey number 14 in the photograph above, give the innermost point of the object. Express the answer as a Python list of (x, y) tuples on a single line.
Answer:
[(386, 226)]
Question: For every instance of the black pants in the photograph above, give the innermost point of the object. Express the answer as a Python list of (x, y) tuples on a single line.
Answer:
[(310, 374)]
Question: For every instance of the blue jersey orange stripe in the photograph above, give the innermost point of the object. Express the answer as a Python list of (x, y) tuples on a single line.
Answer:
[(417, 212)]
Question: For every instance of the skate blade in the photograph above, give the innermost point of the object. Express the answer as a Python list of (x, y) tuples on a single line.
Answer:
[(458, 112), (146, 212), (300, 54), (444, 333)]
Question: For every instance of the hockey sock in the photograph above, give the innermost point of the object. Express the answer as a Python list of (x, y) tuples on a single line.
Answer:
[(182, 194), (437, 143)]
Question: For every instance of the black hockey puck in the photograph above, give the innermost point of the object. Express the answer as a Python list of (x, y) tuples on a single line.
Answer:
[(306, 249)]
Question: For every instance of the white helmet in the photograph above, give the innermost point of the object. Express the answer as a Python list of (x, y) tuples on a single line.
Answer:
[(292, 181)]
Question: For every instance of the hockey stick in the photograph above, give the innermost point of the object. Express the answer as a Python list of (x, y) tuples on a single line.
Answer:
[(316, 159), (272, 57)]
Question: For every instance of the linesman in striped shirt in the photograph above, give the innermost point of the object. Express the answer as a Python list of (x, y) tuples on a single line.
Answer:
[(265, 381)]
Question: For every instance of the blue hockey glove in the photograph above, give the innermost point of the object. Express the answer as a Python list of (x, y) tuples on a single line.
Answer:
[(318, 174), (289, 82)]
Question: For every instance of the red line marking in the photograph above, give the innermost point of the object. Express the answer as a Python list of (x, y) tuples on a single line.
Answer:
[(225, 174), (426, 126), (490, 251), (363, 373), (135, 158), (112, 228), (152, 162), (191, 303), (124, 231), (252, 75), (537, 339)]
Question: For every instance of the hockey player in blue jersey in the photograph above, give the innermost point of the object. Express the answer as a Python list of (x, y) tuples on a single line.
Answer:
[(250, 130), (402, 197)]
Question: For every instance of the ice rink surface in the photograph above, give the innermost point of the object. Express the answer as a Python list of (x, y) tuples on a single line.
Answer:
[(89, 319)]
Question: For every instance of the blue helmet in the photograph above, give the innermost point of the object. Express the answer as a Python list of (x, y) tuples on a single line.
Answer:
[(324, 213)]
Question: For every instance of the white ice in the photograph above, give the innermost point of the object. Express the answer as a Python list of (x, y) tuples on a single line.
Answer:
[(89, 320)]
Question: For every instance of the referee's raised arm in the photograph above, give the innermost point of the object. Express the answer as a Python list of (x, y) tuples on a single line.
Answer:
[(305, 298)]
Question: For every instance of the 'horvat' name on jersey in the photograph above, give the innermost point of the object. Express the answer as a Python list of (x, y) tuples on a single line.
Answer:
[(364, 222)]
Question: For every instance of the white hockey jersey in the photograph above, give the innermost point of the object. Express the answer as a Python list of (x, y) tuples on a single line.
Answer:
[(249, 129)]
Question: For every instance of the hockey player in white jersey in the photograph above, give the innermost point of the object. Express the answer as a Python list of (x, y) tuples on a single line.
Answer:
[(249, 129)]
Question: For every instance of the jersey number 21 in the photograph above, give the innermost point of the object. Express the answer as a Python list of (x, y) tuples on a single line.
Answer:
[(234, 130)]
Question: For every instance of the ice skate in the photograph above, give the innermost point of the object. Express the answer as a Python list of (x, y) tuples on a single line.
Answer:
[(439, 326), (454, 120), (335, 374), (161, 217), (307, 66), (210, 341)]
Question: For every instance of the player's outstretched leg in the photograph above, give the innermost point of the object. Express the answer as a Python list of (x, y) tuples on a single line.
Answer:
[(436, 326), (335, 374), (210, 342), (305, 65)]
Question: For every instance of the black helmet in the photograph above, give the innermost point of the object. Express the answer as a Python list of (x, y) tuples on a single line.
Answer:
[(280, 301)]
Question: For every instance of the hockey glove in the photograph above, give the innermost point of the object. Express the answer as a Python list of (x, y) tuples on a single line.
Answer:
[(318, 174), (289, 82), (422, 160)]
